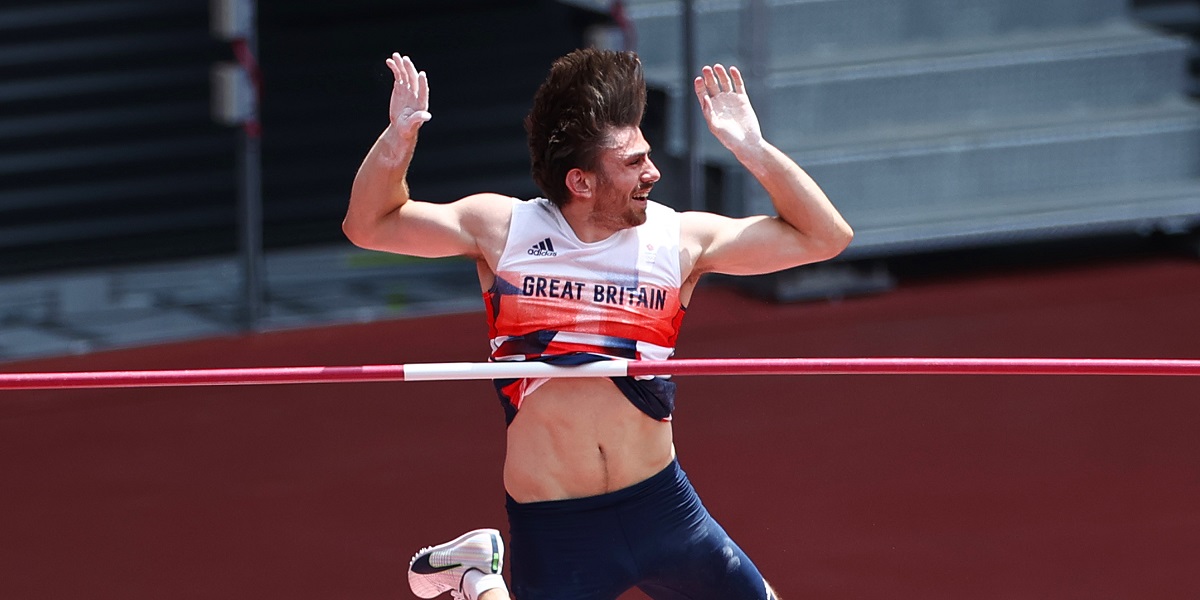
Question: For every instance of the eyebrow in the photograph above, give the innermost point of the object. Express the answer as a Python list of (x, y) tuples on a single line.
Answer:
[(638, 154)]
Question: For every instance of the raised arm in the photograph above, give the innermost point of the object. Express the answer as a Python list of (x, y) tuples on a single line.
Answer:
[(807, 229), (382, 215)]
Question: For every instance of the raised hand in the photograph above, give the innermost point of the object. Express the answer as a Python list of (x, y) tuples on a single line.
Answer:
[(409, 107), (726, 107)]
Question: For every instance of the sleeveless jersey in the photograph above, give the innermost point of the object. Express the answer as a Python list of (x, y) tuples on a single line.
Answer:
[(561, 300)]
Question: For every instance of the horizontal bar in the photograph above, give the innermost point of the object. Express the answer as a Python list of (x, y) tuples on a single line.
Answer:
[(919, 366), (614, 368), (510, 370)]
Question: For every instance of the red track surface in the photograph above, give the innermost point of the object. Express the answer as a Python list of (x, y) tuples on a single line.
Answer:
[(839, 486)]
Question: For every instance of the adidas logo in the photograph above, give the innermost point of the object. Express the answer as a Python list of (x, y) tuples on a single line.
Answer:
[(543, 248)]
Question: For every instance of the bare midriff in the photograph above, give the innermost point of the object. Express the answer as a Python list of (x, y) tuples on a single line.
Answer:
[(574, 438)]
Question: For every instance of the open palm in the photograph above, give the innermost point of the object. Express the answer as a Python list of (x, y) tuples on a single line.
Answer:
[(726, 107), (409, 107)]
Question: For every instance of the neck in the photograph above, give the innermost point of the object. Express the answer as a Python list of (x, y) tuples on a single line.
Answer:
[(584, 222)]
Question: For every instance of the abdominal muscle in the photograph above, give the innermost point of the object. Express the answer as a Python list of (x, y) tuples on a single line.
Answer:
[(574, 438)]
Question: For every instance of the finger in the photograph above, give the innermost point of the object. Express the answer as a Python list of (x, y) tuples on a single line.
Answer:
[(702, 95), (722, 78), (710, 81), (394, 67), (413, 123), (423, 90), (739, 85), (410, 70)]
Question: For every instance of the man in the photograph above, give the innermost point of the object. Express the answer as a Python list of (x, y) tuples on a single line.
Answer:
[(597, 502)]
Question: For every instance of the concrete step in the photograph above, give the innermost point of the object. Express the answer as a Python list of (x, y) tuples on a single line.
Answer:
[(16, 130), (971, 83), (1105, 71), (156, 149), (824, 30), (948, 167), (114, 226), (1167, 206), (1020, 176), (74, 195)]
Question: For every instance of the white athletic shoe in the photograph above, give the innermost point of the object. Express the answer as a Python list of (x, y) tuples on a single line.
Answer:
[(441, 568)]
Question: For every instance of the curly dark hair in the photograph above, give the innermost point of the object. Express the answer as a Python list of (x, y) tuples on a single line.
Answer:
[(588, 93)]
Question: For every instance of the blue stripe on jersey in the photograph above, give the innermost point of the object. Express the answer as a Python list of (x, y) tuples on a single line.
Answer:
[(655, 397), (535, 344)]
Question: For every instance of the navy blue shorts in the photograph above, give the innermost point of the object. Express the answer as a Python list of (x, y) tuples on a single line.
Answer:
[(655, 535)]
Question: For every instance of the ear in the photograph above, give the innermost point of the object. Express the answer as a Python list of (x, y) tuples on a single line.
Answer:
[(580, 183)]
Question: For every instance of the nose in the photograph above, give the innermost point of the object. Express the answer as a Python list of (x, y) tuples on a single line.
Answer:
[(651, 174)]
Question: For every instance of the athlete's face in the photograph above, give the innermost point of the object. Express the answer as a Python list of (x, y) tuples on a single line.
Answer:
[(625, 175)]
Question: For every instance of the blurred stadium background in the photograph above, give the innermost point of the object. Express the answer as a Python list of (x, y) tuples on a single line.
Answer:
[(1023, 177), (939, 127)]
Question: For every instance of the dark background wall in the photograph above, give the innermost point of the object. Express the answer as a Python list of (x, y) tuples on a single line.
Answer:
[(108, 153)]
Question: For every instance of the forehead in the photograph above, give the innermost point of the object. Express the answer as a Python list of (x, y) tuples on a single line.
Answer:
[(625, 141)]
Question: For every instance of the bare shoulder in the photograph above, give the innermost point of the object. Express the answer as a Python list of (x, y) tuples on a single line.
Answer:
[(488, 217), (487, 205), (699, 226), (697, 230), (489, 199), (484, 212), (701, 229)]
